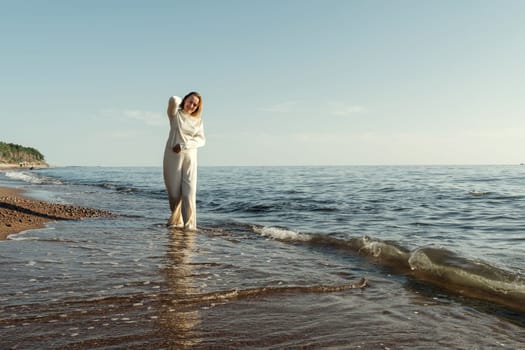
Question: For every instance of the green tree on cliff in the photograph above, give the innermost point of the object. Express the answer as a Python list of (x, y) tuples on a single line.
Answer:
[(13, 153)]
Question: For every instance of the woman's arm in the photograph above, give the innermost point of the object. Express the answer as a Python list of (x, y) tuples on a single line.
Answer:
[(173, 104), (198, 140)]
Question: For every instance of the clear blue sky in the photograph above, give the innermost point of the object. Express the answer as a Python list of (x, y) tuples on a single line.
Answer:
[(283, 82)]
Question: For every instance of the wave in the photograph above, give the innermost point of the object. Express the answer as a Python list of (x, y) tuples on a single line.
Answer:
[(270, 206), (226, 295), (79, 176), (281, 234), (119, 187), (473, 278), (33, 178), (435, 265)]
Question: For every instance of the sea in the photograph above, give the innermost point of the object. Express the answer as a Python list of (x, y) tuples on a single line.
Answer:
[(349, 257)]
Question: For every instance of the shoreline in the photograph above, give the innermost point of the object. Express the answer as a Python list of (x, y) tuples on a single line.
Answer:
[(19, 213), (11, 166)]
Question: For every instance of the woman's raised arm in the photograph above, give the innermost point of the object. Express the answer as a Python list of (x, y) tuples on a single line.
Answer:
[(173, 104)]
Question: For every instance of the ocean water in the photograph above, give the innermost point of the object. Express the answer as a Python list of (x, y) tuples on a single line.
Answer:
[(273, 262)]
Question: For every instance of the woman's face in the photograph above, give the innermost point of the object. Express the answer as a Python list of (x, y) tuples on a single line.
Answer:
[(191, 104)]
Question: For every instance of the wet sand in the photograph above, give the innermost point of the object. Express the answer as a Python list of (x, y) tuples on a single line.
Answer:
[(19, 213)]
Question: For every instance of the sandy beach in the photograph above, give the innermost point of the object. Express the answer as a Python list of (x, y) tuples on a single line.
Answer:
[(22, 166), (19, 213)]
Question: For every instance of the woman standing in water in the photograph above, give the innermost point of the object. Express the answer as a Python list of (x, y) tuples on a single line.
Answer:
[(180, 158)]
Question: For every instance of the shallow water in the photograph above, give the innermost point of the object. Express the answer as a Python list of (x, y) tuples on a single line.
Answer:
[(273, 261)]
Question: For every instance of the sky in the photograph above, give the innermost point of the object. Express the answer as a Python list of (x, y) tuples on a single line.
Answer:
[(284, 82)]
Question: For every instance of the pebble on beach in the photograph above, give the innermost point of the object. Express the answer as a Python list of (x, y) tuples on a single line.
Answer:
[(18, 213)]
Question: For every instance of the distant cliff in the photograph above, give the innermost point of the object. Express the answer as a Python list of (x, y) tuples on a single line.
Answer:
[(11, 153)]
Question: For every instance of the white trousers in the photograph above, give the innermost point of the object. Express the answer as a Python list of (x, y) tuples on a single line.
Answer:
[(180, 177)]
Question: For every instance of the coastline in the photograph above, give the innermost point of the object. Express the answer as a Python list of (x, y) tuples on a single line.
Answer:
[(20, 213), (24, 166)]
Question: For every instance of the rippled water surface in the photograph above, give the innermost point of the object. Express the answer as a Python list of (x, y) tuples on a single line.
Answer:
[(276, 262)]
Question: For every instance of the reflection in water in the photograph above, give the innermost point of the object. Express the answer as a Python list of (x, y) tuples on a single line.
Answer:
[(178, 320)]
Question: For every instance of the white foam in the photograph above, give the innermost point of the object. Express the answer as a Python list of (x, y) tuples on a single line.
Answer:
[(281, 234), (31, 177), (19, 236), (373, 247), (478, 193), (22, 176)]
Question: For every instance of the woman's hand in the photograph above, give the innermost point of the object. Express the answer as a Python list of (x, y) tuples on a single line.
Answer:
[(177, 148)]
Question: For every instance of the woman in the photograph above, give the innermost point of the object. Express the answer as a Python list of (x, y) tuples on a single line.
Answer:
[(180, 158)]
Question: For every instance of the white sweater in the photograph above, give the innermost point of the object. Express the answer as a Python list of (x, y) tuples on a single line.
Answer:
[(186, 130)]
